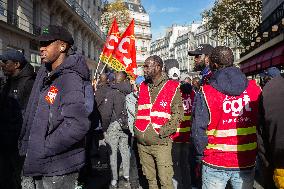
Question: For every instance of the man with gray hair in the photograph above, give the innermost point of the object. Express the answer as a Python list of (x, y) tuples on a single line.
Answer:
[(225, 141)]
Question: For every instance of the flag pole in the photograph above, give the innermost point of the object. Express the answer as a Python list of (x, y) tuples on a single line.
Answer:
[(103, 69), (96, 73), (97, 76)]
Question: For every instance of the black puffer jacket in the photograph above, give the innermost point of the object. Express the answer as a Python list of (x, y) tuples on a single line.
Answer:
[(13, 102), (57, 119), (114, 103), (271, 125)]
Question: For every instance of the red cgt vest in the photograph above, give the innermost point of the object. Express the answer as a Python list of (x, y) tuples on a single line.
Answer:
[(232, 141), (183, 131), (158, 113)]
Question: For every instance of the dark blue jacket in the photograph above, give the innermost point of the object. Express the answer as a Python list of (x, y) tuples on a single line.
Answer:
[(230, 81), (53, 134)]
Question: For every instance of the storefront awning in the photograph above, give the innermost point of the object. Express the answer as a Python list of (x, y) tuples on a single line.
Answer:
[(271, 57), (278, 56)]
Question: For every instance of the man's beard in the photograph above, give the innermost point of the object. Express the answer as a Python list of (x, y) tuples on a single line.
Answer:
[(148, 79)]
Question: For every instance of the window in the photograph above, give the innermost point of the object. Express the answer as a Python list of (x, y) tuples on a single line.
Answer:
[(35, 58), (52, 19), (36, 13), (1, 8), (89, 49)]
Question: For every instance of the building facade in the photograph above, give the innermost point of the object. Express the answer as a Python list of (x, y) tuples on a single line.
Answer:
[(165, 46), (21, 23), (267, 47), (183, 44), (205, 36), (142, 29)]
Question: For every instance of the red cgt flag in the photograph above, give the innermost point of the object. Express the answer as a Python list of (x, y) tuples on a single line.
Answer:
[(111, 42), (124, 56)]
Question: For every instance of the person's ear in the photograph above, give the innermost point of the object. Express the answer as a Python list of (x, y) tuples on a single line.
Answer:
[(17, 65), (63, 47)]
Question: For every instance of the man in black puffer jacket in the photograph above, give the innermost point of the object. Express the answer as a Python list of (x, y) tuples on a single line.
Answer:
[(57, 115), (13, 100)]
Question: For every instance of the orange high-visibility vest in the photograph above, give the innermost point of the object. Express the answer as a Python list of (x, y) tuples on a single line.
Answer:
[(232, 141), (158, 113)]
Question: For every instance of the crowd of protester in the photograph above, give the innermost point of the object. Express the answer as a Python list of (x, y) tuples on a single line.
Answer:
[(172, 129)]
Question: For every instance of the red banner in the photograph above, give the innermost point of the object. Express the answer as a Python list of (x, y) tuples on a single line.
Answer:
[(111, 42), (124, 56)]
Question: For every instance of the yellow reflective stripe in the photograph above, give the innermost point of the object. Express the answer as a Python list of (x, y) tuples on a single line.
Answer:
[(161, 114), (143, 117), (144, 106), (186, 118), (232, 148), (183, 130), (232, 132)]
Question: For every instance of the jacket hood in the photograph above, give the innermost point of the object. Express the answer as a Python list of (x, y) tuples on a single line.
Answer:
[(123, 87), (27, 71), (74, 63), (230, 81)]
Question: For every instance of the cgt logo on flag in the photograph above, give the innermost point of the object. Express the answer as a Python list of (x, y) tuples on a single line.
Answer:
[(125, 53), (111, 42), (51, 95)]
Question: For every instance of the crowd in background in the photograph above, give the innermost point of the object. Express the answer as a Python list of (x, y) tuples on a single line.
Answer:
[(179, 132)]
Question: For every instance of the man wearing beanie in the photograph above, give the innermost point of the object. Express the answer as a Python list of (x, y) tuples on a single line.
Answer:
[(13, 101), (224, 124)]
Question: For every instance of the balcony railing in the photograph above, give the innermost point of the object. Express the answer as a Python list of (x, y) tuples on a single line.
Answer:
[(275, 18), (142, 34), (87, 19)]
